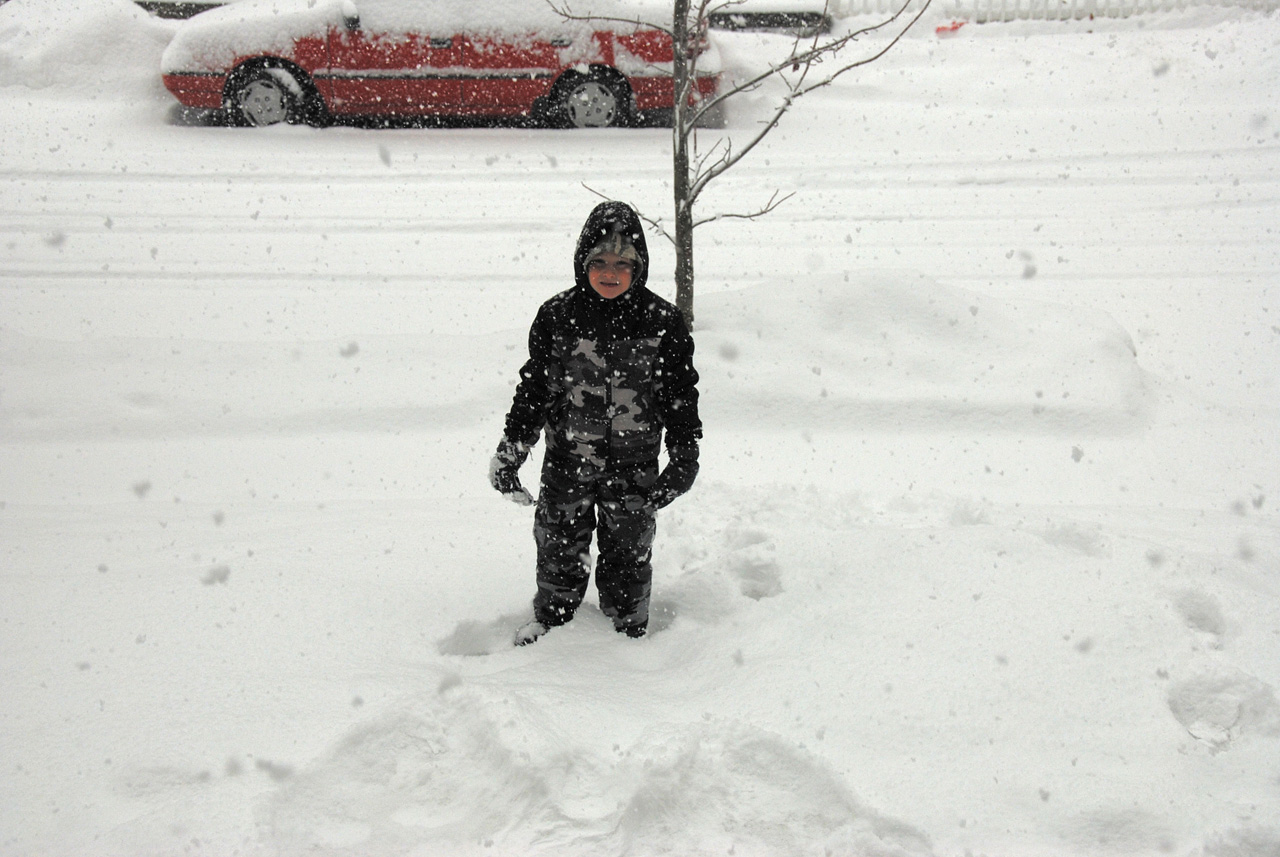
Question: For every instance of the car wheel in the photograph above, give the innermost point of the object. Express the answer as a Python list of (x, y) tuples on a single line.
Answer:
[(261, 99), (591, 102)]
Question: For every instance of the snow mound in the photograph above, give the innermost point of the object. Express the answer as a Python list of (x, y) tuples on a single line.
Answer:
[(468, 770), (89, 47), (907, 353)]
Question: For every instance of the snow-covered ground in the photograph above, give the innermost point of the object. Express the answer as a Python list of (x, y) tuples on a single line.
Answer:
[(983, 558)]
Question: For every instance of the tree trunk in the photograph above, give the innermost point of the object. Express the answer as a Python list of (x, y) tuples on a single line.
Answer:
[(680, 161), (808, 55), (684, 259)]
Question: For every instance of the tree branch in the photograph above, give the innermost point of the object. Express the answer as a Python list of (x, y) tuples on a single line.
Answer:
[(827, 81), (564, 12), (773, 203), (728, 160), (658, 228), (796, 90), (817, 50)]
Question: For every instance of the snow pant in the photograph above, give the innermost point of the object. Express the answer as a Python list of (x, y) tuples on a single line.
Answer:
[(570, 508)]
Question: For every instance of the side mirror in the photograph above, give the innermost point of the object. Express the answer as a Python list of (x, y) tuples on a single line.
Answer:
[(350, 15)]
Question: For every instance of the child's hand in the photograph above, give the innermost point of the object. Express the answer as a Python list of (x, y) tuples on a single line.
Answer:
[(516, 493), (504, 472), (661, 497), (505, 478), (674, 480)]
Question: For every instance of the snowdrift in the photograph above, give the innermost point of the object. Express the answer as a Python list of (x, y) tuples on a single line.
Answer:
[(900, 352), (99, 48)]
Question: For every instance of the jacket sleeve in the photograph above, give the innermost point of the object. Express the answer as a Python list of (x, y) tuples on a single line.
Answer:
[(528, 412), (678, 404)]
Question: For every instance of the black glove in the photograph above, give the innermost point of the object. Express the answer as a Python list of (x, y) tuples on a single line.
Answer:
[(504, 471), (675, 479)]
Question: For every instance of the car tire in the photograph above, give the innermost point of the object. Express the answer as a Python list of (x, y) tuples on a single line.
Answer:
[(592, 101), (259, 98), (268, 95)]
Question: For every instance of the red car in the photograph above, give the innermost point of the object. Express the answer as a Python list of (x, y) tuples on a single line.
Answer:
[(269, 61)]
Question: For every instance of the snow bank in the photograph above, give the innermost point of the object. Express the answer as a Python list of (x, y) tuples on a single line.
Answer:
[(902, 352), (84, 46)]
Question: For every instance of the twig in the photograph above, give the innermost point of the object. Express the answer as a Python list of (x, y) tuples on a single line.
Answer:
[(807, 57), (564, 12), (773, 203)]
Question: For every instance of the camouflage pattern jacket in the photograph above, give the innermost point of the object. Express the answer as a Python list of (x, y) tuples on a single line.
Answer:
[(605, 378)]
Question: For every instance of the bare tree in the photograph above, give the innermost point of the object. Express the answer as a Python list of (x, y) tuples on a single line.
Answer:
[(815, 60)]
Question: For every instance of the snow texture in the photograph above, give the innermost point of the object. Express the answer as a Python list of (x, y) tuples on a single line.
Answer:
[(982, 559)]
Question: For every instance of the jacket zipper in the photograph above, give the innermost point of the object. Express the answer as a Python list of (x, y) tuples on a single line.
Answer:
[(608, 388)]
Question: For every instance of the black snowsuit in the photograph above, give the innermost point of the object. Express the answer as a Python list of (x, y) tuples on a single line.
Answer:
[(604, 379)]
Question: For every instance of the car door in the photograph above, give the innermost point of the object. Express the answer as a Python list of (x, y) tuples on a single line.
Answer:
[(403, 73), (503, 75)]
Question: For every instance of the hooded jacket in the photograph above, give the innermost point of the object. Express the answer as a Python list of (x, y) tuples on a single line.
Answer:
[(606, 377)]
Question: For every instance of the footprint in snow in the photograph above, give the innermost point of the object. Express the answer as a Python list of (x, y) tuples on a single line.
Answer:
[(753, 563), (471, 637), (1201, 612), (1218, 708)]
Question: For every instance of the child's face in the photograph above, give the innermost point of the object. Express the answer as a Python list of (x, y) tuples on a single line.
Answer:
[(609, 274)]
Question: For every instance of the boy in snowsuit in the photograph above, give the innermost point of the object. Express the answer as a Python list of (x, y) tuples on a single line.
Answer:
[(610, 369)]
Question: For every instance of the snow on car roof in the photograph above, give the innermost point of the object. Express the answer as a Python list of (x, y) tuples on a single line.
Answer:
[(215, 39), (729, 7), (502, 16)]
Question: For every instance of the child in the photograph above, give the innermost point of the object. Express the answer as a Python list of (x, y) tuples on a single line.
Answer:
[(610, 368)]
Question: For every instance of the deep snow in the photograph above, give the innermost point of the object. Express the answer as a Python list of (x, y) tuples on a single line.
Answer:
[(983, 557)]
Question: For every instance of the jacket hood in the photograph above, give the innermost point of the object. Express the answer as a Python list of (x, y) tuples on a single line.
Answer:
[(609, 219)]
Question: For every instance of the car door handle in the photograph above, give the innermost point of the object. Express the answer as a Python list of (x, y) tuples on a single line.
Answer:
[(441, 43), (561, 42)]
